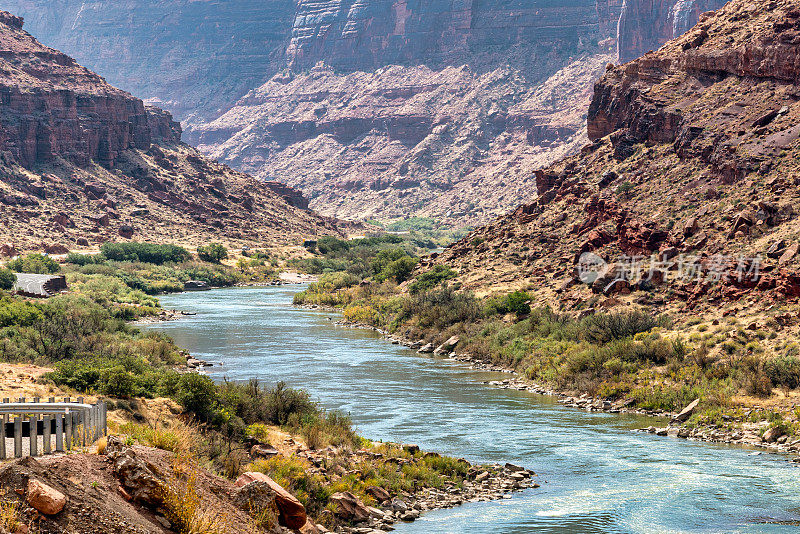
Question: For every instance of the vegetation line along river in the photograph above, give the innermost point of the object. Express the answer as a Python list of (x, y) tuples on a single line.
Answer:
[(596, 474)]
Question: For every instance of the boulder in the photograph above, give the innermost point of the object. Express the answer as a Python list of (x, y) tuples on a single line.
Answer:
[(427, 349), (126, 231), (257, 499), (44, 498), (137, 478), (772, 435), (377, 493), (263, 451), (7, 250), (687, 412), (790, 253), (448, 346), (349, 507), (54, 249), (292, 513)]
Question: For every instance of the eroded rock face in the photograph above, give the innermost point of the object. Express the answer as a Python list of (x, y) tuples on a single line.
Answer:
[(54, 107), (694, 154), (83, 162), (367, 34), (645, 25)]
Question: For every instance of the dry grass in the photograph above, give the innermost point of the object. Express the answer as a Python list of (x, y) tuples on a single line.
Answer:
[(10, 514), (183, 504), (174, 436)]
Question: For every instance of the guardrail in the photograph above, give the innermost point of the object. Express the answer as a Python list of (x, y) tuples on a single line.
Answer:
[(70, 424)]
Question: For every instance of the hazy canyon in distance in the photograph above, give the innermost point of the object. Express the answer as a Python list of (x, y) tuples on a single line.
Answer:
[(375, 109)]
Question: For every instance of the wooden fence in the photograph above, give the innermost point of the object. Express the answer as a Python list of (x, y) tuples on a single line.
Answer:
[(61, 425)]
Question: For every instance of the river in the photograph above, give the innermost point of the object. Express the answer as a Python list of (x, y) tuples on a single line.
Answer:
[(596, 474)]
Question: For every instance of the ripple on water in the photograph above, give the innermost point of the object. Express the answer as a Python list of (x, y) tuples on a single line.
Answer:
[(596, 474)]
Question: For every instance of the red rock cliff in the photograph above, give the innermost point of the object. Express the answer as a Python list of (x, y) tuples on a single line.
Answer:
[(54, 107)]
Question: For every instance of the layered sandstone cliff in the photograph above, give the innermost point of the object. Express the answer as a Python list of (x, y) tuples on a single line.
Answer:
[(694, 165), (82, 162)]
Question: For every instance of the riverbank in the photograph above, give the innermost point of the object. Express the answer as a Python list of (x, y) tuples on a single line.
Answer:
[(749, 434), (595, 470)]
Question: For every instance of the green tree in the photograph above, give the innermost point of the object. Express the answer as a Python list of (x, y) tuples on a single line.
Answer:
[(7, 278), (34, 263), (198, 394), (212, 253)]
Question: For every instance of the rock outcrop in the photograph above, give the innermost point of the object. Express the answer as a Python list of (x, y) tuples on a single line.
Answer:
[(693, 169), (82, 162)]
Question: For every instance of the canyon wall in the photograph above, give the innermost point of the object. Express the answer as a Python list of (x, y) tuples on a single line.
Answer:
[(83, 163), (373, 108), (645, 25), (53, 107), (192, 57)]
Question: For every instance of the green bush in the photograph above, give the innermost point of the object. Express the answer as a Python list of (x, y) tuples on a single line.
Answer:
[(198, 394), (85, 259), (7, 279), (517, 302), (34, 263), (212, 253), (430, 279), (394, 264), (144, 252), (783, 371)]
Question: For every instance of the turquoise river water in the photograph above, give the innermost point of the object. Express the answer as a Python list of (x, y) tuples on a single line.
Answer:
[(596, 474)]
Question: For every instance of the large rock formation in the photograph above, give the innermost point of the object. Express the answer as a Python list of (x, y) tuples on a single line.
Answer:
[(694, 169), (366, 35), (54, 107), (82, 162)]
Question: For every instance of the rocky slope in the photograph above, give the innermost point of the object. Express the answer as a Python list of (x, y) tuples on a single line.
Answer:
[(82, 162), (481, 95), (693, 166)]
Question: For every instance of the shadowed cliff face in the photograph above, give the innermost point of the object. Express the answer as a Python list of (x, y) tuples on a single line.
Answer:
[(645, 25)]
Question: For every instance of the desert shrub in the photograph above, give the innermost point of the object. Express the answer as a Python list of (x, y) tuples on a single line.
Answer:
[(783, 371), (517, 302), (756, 380), (395, 264), (430, 279), (198, 394), (212, 253), (603, 328), (7, 279), (441, 308), (85, 259), (144, 252), (34, 263)]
